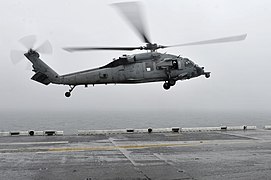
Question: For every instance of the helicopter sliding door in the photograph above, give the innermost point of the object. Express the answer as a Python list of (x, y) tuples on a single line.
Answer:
[(151, 73), (134, 72), (148, 67)]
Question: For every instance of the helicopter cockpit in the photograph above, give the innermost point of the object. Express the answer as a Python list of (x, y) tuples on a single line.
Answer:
[(198, 70), (188, 63), (171, 63)]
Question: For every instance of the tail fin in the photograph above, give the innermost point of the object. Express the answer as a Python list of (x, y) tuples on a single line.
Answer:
[(44, 74)]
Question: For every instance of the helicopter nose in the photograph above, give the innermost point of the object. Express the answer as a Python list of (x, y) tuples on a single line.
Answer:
[(200, 70)]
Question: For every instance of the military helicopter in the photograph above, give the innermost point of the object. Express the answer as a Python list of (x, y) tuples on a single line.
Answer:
[(150, 66)]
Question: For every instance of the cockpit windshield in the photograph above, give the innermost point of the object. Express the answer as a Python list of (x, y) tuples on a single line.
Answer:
[(188, 63)]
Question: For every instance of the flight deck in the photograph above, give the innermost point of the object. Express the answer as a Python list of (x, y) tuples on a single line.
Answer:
[(187, 154)]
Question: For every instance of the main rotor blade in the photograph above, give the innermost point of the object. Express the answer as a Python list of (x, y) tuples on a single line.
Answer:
[(133, 14), (213, 41), (73, 49)]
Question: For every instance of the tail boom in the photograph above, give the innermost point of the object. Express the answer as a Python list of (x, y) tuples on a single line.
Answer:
[(43, 73)]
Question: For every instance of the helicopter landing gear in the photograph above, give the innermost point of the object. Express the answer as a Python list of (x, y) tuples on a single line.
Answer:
[(68, 94), (207, 75), (166, 86), (169, 83)]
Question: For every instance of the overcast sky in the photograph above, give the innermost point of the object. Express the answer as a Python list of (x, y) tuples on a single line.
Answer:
[(240, 77)]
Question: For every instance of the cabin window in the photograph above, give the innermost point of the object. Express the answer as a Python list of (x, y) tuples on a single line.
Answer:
[(149, 66)]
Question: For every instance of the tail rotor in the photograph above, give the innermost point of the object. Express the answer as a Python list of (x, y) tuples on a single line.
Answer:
[(28, 43)]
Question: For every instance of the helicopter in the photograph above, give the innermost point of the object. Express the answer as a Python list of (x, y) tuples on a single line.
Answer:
[(147, 67)]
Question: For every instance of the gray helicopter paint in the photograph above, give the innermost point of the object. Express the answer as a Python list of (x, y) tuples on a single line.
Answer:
[(44, 74)]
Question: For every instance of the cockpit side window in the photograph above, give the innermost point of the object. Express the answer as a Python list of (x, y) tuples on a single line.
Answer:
[(174, 64), (188, 63)]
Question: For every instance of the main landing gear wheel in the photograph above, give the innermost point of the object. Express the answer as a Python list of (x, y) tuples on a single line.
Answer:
[(166, 86), (169, 83), (68, 94)]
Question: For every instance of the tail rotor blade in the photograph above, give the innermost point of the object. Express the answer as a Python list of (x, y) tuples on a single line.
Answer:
[(16, 56), (45, 48), (28, 41)]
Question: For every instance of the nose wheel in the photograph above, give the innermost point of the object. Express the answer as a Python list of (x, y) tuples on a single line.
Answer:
[(68, 94)]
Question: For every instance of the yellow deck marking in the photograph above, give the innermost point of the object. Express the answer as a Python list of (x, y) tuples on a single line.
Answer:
[(102, 148), (117, 147)]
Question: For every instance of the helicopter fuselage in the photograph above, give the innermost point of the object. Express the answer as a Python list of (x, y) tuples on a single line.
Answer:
[(139, 68)]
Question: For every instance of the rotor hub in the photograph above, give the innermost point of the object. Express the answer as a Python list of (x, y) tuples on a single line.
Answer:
[(152, 47)]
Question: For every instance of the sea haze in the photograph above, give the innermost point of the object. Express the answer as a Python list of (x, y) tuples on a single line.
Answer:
[(71, 121)]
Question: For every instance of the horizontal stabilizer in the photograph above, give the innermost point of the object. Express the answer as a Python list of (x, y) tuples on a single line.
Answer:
[(41, 78)]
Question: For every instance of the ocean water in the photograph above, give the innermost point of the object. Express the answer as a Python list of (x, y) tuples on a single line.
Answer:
[(71, 121)]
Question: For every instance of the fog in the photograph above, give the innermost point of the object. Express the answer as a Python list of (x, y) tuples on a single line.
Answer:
[(240, 71)]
